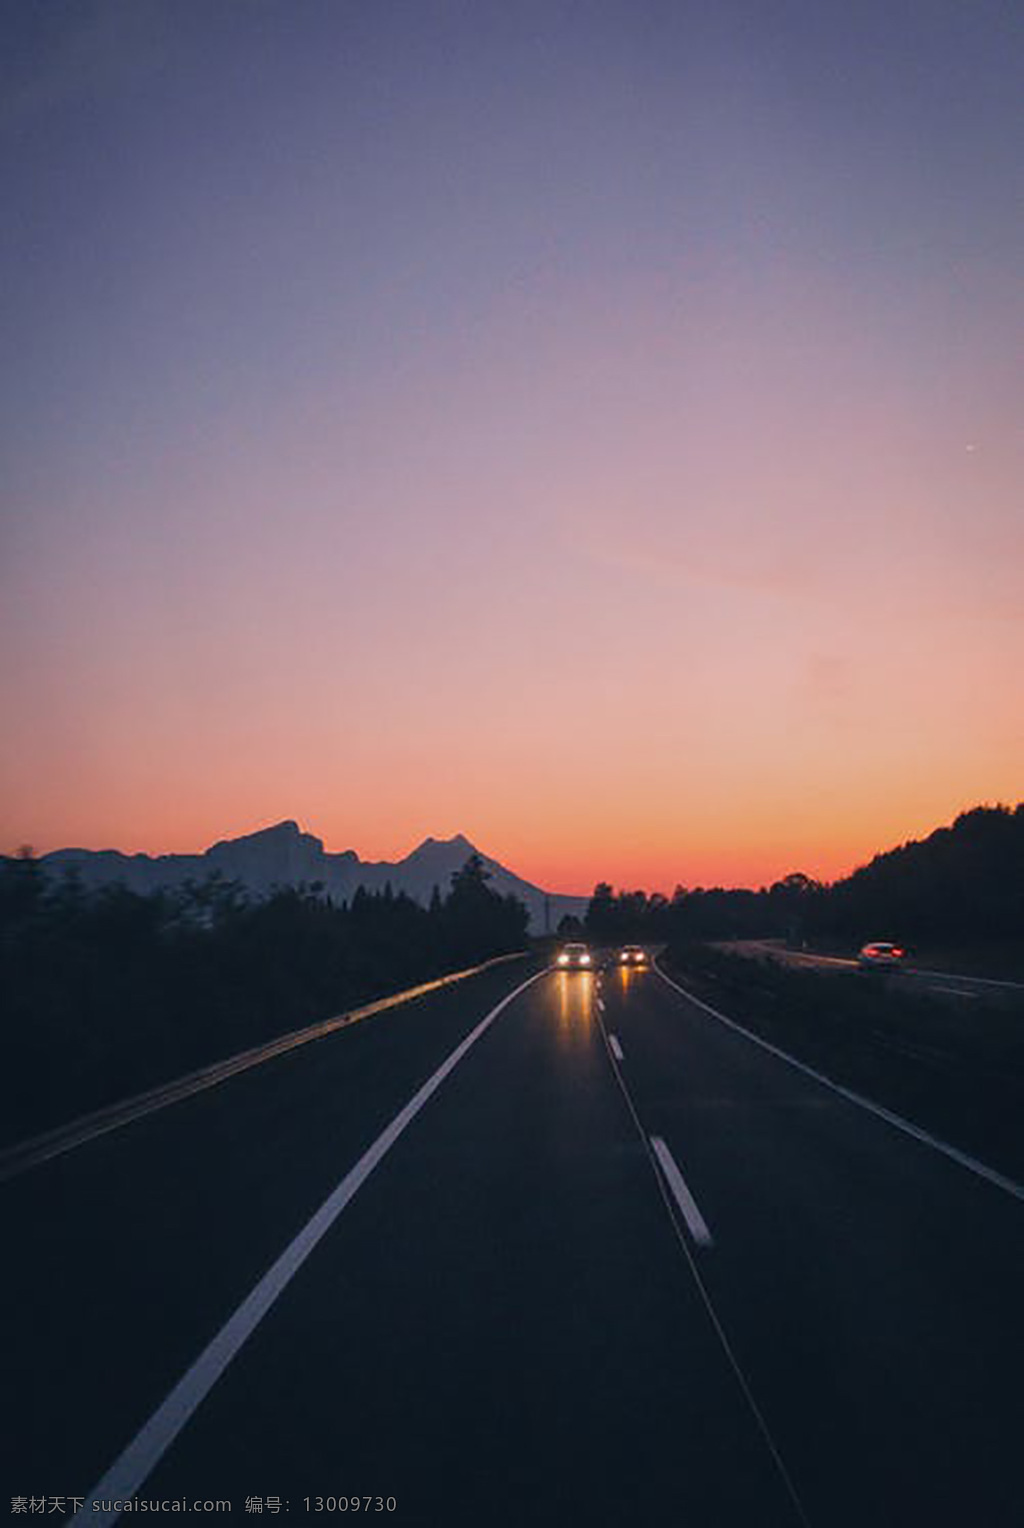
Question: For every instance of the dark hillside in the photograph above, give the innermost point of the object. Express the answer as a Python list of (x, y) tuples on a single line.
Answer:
[(961, 883)]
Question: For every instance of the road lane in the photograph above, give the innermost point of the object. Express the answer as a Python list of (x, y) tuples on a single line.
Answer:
[(501, 1328), (949, 982), (500, 1325), (901, 1122), (869, 1286), (133, 1466), (24, 1155), (124, 1257)]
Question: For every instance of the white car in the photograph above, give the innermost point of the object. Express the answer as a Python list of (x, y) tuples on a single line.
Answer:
[(632, 955), (574, 957)]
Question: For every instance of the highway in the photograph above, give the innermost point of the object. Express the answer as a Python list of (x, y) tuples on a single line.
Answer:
[(540, 1248), (948, 983)]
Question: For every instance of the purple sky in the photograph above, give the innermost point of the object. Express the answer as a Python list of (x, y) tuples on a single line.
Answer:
[(592, 427)]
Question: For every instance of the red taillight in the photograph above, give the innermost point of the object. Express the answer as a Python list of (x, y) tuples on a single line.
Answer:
[(899, 952)]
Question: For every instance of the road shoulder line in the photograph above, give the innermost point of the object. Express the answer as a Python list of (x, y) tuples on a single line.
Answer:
[(41, 1148), (137, 1461), (962, 1158)]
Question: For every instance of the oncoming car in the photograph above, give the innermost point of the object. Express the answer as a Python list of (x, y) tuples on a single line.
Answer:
[(633, 955), (574, 957), (881, 956)]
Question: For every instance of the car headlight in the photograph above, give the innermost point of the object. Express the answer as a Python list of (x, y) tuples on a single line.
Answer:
[(563, 960), (584, 960)]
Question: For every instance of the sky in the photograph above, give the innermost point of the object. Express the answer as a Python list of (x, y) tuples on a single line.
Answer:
[(594, 428)]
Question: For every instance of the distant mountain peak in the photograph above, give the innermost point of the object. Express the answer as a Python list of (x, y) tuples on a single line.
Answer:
[(277, 832), (283, 855), (432, 845), (288, 828)]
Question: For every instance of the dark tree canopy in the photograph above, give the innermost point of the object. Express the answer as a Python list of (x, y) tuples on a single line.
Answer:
[(962, 883)]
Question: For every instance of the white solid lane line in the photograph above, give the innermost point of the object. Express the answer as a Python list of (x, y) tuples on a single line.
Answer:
[(613, 1041), (681, 1194), (143, 1454), (989, 1174), (41, 1148), (952, 976)]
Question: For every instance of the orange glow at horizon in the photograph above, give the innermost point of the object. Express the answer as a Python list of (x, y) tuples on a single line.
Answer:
[(570, 863), (623, 474), (704, 710)]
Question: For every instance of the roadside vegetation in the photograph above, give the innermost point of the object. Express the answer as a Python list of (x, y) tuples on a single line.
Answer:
[(961, 891), (106, 993), (953, 1064)]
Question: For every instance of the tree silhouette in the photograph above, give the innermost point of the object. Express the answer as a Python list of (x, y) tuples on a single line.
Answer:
[(108, 992), (602, 914)]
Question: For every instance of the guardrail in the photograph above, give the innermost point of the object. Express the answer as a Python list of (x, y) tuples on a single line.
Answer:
[(52, 1143)]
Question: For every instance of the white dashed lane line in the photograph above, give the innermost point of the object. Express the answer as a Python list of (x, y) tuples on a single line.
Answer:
[(695, 1221)]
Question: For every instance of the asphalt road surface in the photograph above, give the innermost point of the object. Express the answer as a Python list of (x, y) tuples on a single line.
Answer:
[(583, 1256), (947, 982)]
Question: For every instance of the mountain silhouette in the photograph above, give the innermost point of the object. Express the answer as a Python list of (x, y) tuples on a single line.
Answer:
[(283, 855)]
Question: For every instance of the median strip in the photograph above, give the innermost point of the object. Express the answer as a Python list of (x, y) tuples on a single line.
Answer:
[(53, 1143)]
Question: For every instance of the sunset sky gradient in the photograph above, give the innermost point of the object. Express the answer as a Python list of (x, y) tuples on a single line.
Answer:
[(592, 427)]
